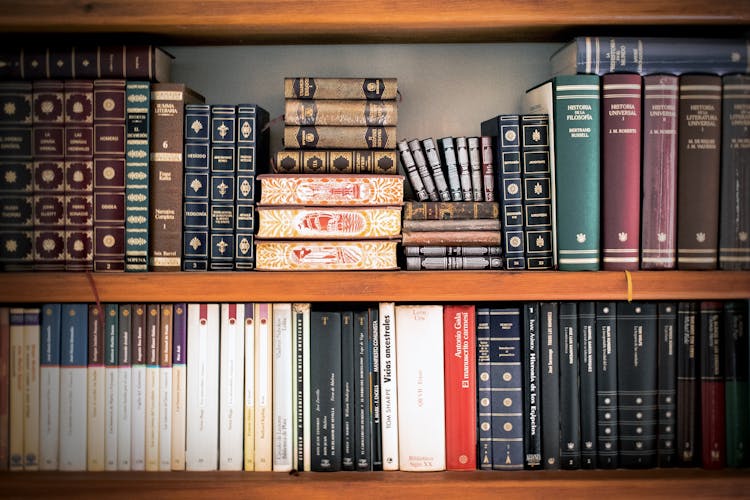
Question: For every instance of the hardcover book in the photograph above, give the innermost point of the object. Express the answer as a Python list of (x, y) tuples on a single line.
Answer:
[(5, 361), (329, 222), (488, 168), (436, 169), (341, 88), (335, 161), (410, 166), (451, 225), (452, 238), (687, 384), (712, 396), (138, 100), (196, 188), (587, 383), (475, 165), (435, 186), (31, 400), (459, 181), (484, 389), (73, 362), (166, 335), (16, 403), (223, 162), (475, 262), (338, 137), (331, 190), (666, 452), (307, 255), (550, 381), (340, 112), (570, 409), (532, 428), (608, 444), (49, 385), (442, 210), (446, 251), (537, 191)]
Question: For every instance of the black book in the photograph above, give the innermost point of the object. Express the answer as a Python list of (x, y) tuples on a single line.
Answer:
[(347, 390), (532, 429), (687, 384), (666, 452), (325, 390), (606, 385), (570, 409), (550, 378), (736, 379), (376, 432), (298, 315), (362, 443), (637, 352), (587, 380)]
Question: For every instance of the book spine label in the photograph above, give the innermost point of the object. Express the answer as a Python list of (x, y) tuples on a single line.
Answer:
[(110, 386), (336, 112), (425, 173), (698, 170), (249, 394), (152, 396), (475, 165), (419, 263), (283, 456), (430, 210), (166, 335), (73, 367), (484, 389), (49, 385), (31, 346), (263, 387), (537, 191), (735, 341), (570, 411), (375, 397), (606, 385), (587, 383), (331, 190), (687, 384), (179, 386), (95, 390), (388, 386), (454, 238), (712, 403), (223, 161), (666, 452), (196, 187), (734, 244), (124, 386), (232, 369), (138, 100), (138, 381), (329, 222), (407, 161), (459, 183), (659, 205), (532, 428), (348, 435), (362, 425), (321, 137), (341, 88), (337, 161), (317, 255), (577, 138)]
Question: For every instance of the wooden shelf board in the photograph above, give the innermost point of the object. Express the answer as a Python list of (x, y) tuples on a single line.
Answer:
[(398, 286)]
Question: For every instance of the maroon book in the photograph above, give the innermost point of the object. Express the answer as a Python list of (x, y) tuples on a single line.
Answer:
[(49, 178), (713, 427), (698, 167), (621, 171), (109, 175), (659, 201), (79, 175)]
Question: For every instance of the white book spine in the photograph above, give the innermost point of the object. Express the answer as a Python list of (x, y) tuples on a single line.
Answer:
[(179, 415), (388, 382), (249, 424), (95, 418), (421, 403), (124, 423), (152, 417), (263, 388), (165, 418), (306, 427), (49, 388), (232, 369), (282, 388), (16, 389), (110, 417), (73, 393), (138, 418), (202, 439), (31, 389)]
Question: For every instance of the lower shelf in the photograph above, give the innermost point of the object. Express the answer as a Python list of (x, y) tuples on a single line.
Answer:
[(656, 483)]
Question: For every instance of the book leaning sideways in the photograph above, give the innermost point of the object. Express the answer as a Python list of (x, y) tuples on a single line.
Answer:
[(600, 55)]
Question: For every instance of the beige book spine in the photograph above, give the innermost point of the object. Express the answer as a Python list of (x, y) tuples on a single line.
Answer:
[(322, 137), (329, 223), (339, 112), (340, 88), (325, 255)]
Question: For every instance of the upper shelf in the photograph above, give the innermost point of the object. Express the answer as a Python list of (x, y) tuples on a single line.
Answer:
[(293, 21)]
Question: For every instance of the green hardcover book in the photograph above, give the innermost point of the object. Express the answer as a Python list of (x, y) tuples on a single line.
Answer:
[(138, 99), (577, 138), (736, 383)]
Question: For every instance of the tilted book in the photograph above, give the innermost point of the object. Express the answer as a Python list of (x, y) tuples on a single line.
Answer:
[(341, 88), (196, 188), (334, 161), (607, 441), (73, 362), (49, 387), (435, 164), (442, 210), (340, 112), (712, 390), (307, 255), (179, 386), (231, 373), (283, 457), (537, 191), (430, 183), (95, 390), (137, 121), (459, 177), (331, 190), (329, 222)]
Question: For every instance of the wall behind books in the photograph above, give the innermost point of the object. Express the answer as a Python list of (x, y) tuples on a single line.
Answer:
[(446, 89)]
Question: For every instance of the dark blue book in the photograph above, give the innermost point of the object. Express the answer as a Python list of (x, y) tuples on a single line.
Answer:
[(484, 390), (570, 405), (550, 378), (538, 191), (507, 389), (606, 385), (223, 162), (505, 131), (587, 382), (532, 415), (196, 188)]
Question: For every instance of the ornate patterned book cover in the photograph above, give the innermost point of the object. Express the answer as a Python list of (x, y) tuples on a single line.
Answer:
[(223, 173), (339, 137), (440, 210), (325, 255), (335, 161), (196, 188), (537, 191), (340, 112), (329, 223), (341, 88), (331, 190), (138, 99)]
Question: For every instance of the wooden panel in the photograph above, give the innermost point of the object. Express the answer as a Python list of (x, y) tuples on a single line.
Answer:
[(399, 286), (264, 21)]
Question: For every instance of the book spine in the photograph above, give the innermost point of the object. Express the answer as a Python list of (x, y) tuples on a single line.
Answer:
[(302, 311), (734, 338), (468, 168), (734, 220), (298, 377), (109, 174), (283, 460), (73, 367), (666, 452), (322, 137), (124, 386), (138, 96), (347, 391), (249, 394), (570, 410), (430, 210), (712, 402), (621, 171), (452, 238), (16, 181), (16, 418), (505, 130), (388, 386), (5, 388), (263, 319), (659, 199), (49, 184), (442, 182), (425, 173), (49, 384), (484, 389), (31, 388), (196, 187), (330, 255), (152, 396), (373, 335), (456, 167), (138, 381), (452, 225), (223, 162), (79, 175), (202, 438), (341, 88), (698, 169), (111, 340), (95, 388), (475, 164), (331, 190), (166, 174), (446, 251), (687, 384), (166, 335), (325, 389), (362, 404), (550, 381), (407, 160), (253, 138), (537, 191), (577, 139), (340, 112), (474, 262), (421, 417), (337, 161), (606, 386), (488, 168), (232, 368), (328, 222), (587, 383)]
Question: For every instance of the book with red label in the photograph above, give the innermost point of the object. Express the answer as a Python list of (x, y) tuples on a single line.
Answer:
[(698, 168), (659, 201), (712, 416), (459, 336), (621, 171)]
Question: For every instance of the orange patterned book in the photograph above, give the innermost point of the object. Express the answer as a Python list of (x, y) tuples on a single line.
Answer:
[(350, 255), (329, 222), (331, 190)]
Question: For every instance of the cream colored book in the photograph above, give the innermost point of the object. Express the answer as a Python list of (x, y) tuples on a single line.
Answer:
[(111, 335), (31, 337), (152, 387), (388, 385), (249, 396), (283, 396), (329, 222), (231, 373), (95, 384), (331, 189), (263, 387), (49, 388), (165, 387), (179, 386), (306, 255), (138, 381), (124, 387), (73, 394), (16, 388)]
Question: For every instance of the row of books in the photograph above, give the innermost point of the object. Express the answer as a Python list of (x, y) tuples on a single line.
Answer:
[(385, 386)]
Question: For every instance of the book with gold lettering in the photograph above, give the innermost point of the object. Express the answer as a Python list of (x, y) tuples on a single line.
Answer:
[(341, 88), (335, 161), (340, 112), (332, 189), (339, 137)]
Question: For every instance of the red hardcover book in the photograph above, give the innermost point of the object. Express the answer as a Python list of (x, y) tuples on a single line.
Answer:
[(79, 175), (699, 157), (621, 171), (4, 386), (49, 184), (713, 424), (459, 336), (659, 202)]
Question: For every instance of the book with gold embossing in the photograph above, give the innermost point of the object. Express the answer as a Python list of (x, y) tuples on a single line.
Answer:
[(332, 189)]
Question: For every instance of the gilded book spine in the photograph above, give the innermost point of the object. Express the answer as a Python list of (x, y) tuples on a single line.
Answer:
[(454, 238), (138, 96), (449, 210), (407, 160), (195, 189), (341, 88), (223, 162), (336, 112), (339, 161), (537, 191), (322, 137), (419, 263)]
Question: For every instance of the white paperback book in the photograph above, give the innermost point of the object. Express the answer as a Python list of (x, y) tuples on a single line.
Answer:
[(124, 397), (263, 387), (73, 394), (231, 373), (421, 402), (249, 396), (49, 388), (138, 383), (95, 385), (31, 389), (282, 387), (202, 439), (388, 389), (16, 389), (165, 387)]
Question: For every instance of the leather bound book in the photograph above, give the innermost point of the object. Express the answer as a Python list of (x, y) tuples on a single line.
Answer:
[(425, 173), (352, 161), (621, 171), (339, 137), (659, 202), (712, 416), (687, 384), (137, 118), (608, 444), (305, 255), (666, 452), (331, 190), (341, 88), (735, 347), (587, 383), (698, 171), (439, 210), (221, 206), (340, 112), (196, 188), (537, 191), (459, 177)]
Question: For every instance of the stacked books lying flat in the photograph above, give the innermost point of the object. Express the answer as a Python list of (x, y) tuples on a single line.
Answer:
[(328, 222)]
